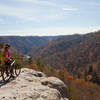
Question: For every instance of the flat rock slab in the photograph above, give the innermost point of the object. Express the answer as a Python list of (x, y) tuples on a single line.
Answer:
[(33, 85)]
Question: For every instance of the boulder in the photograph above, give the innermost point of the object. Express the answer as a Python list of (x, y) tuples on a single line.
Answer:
[(56, 83)]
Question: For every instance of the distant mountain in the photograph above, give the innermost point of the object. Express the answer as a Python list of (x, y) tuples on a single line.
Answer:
[(50, 47), (37, 51), (72, 52), (25, 44)]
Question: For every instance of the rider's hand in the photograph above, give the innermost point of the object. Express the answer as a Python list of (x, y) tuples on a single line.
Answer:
[(10, 59)]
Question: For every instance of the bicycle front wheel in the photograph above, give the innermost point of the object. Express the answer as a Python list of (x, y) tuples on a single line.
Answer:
[(17, 69)]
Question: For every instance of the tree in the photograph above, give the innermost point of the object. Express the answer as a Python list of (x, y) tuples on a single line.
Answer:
[(90, 70), (85, 75), (96, 77), (40, 64), (1, 45)]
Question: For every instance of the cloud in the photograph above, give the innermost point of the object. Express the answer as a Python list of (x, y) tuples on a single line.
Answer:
[(34, 13), (66, 30), (2, 21), (94, 3), (70, 9), (52, 31), (40, 2), (49, 3), (30, 13), (7, 10), (23, 13)]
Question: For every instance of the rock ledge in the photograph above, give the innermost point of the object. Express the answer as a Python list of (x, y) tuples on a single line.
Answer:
[(33, 85)]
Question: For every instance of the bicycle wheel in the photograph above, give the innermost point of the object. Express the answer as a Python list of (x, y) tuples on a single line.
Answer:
[(6, 75), (17, 69)]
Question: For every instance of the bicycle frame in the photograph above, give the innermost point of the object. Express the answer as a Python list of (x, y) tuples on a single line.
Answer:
[(13, 63)]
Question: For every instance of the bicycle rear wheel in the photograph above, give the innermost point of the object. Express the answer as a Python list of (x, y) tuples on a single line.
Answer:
[(6, 75)]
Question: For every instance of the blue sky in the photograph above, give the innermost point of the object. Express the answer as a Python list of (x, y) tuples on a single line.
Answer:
[(49, 17)]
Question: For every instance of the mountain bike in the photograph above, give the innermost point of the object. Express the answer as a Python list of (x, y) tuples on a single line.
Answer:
[(13, 69)]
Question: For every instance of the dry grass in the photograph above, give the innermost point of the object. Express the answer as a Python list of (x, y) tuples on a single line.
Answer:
[(33, 66)]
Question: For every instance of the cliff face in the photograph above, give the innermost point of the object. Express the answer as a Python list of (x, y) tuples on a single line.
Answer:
[(33, 85)]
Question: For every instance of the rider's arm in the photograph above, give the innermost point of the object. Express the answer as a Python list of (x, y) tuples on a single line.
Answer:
[(7, 55)]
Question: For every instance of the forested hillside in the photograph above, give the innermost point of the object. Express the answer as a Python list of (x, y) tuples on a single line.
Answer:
[(78, 53), (25, 44)]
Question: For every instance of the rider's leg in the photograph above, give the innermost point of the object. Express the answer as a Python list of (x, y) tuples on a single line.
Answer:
[(11, 71), (7, 64), (7, 70)]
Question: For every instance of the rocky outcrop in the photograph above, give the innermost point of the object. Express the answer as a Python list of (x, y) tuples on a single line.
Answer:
[(33, 85)]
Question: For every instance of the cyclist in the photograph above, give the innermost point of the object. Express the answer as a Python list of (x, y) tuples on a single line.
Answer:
[(7, 54), (8, 58)]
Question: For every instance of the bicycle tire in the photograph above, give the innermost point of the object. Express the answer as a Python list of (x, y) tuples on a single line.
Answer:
[(4, 75), (17, 69)]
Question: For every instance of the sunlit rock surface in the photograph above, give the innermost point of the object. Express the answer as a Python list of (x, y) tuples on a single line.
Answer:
[(33, 85)]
